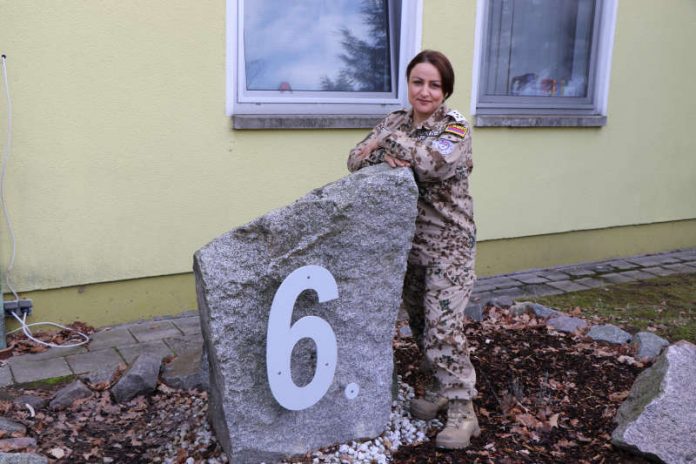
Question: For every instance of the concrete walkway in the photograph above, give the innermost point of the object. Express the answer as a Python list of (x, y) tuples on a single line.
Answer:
[(177, 335)]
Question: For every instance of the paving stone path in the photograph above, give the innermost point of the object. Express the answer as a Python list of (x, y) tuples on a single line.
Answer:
[(182, 334)]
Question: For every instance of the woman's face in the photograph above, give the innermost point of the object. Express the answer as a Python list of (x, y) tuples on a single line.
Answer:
[(424, 90)]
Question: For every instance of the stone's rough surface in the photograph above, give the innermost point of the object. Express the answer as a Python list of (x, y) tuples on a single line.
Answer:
[(22, 458), (184, 372), (140, 378), (567, 324), (360, 229), (10, 427), (658, 418), (609, 333), (648, 345), (68, 394)]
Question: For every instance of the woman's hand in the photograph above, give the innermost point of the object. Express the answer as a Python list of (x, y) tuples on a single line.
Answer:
[(396, 162)]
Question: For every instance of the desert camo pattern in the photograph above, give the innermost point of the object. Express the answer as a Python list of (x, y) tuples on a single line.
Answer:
[(440, 275)]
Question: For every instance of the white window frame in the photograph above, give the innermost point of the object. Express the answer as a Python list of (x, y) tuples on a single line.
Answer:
[(240, 102), (601, 65)]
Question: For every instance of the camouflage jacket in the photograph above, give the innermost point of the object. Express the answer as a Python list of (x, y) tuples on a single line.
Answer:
[(439, 151)]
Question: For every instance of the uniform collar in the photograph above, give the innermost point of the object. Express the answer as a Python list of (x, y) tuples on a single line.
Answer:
[(431, 122)]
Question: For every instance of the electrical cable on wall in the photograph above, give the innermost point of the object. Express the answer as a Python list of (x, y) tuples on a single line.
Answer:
[(24, 327)]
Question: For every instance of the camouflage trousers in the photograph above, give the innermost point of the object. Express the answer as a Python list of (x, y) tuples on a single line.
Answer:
[(435, 307)]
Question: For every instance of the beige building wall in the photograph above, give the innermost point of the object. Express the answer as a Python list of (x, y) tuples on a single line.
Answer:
[(124, 163)]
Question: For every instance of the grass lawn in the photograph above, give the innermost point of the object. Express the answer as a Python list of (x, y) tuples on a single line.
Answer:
[(663, 305)]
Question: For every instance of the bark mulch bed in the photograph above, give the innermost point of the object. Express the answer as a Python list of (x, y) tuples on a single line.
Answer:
[(544, 397)]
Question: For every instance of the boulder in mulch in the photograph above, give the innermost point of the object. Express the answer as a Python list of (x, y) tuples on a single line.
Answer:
[(535, 309), (141, 378), (67, 395), (22, 458), (184, 371), (35, 402), (648, 345), (350, 239), (567, 324), (658, 418), (609, 333), (11, 428)]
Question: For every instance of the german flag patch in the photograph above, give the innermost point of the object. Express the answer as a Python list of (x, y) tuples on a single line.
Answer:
[(457, 129)]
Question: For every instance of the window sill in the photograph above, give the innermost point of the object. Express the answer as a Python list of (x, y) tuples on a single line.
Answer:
[(551, 120), (305, 121)]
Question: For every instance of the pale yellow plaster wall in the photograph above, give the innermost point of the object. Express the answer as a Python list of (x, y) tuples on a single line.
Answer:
[(124, 162), (638, 169)]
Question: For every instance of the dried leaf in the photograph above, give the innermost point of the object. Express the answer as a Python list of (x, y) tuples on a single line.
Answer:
[(619, 396)]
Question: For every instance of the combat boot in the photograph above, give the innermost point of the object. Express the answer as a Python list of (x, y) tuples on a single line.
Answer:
[(462, 424), (426, 408)]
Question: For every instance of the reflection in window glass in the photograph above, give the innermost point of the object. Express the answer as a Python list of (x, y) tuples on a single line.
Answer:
[(539, 47), (317, 45)]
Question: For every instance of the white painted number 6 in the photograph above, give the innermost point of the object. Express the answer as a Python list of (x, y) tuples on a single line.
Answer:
[(282, 337)]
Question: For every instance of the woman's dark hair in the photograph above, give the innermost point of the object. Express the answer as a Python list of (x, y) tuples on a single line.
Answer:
[(442, 64)]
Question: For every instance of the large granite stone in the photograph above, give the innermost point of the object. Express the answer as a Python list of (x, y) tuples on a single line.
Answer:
[(658, 418), (360, 230), (22, 458)]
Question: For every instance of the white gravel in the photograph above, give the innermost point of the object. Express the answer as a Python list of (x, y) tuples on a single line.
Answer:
[(195, 435), (401, 430)]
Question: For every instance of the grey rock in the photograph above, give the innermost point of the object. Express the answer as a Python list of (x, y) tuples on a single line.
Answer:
[(544, 312), (658, 418), (105, 374), (474, 311), (10, 427), (567, 324), (359, 229), (184, 371), (609, 333), (22, 458), (536, 309), (648, 345), (35, 402), (503, 302), (70, 393), (139, 379)]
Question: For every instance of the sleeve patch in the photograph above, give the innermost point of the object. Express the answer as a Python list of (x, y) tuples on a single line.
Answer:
[(457, 129), (444, 146)]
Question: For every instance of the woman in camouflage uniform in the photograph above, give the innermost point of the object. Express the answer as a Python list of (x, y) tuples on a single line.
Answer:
[(435, 143)]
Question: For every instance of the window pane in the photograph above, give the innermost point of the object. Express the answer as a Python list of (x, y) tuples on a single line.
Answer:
[(539, 47), (317, 45)]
